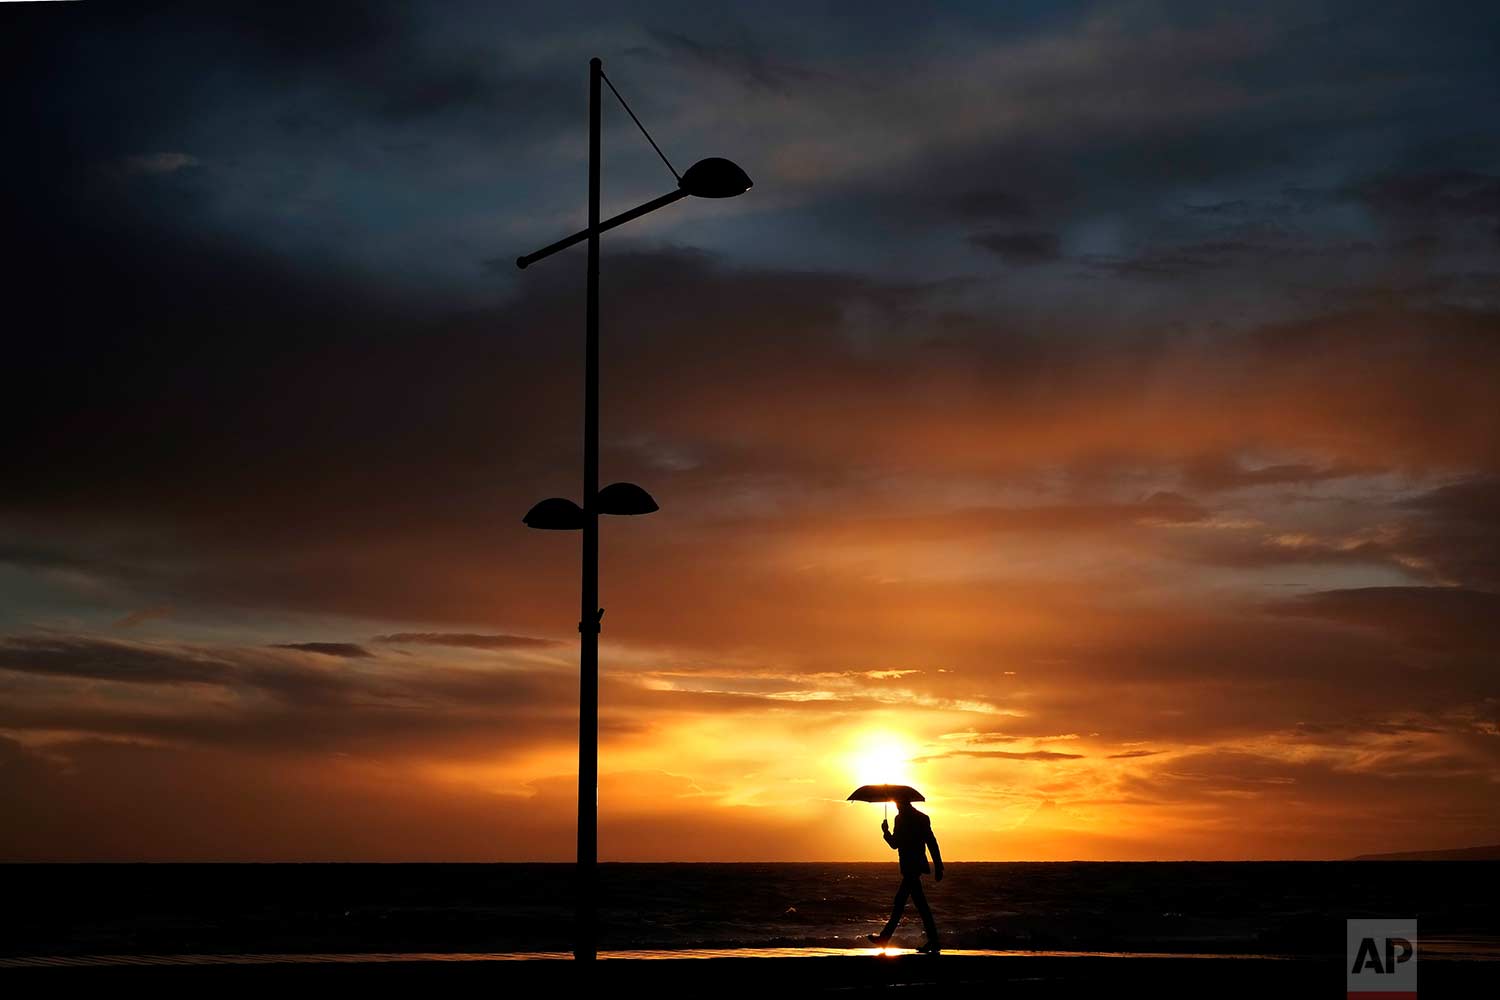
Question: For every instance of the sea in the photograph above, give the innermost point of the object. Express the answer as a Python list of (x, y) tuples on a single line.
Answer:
[(1250, 908)]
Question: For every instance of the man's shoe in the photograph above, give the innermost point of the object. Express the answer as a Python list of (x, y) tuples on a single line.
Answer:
[(929, 948), (878, 940)]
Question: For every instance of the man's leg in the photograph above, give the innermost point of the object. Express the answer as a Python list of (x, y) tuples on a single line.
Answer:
[(920, 898), (899, 906)]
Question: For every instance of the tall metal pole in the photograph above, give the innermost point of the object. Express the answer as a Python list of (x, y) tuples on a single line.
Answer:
[(586, 947)]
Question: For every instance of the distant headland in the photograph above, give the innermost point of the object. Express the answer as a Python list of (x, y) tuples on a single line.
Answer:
[(1490, 853)]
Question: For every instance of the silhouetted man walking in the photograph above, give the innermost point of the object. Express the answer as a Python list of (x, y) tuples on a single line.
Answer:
[(912, 839)]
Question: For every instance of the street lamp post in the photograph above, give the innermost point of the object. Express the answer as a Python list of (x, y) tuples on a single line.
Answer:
[(711, 178)]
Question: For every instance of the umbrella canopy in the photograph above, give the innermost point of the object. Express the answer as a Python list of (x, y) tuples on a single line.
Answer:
[(886, 793)]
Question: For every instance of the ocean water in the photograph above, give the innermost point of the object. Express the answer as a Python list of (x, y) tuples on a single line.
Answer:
[(1291, 908)]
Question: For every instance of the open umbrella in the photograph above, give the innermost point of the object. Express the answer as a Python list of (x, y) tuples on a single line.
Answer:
[(886, 793)]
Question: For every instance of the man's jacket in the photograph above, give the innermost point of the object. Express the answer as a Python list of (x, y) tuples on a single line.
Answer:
[(911, 836)]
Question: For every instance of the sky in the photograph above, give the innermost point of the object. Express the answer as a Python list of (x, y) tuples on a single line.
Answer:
[(1089, 418)]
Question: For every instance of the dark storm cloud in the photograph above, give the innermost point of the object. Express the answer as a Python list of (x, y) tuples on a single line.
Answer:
[(745, 61), (287, 701), (1020, 248), (288, 676), (1474, 500), (1263, 551), (140, 617), (347, 650), (1434, 617), (1457, 528), (1432, 197), (1215, 473), (72, 656), (1186, 680), (1443, 772), (52, 557), (1241, 107), (378, 58), (1449, 535), (1250, 209), (468, 640), (1179, 262), (1359, 729), (392, 732), (997, 204)]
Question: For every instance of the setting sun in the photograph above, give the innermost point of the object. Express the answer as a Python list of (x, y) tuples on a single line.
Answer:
[(879, 757)]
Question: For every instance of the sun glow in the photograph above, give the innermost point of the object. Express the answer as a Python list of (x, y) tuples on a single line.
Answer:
[(879, 757)]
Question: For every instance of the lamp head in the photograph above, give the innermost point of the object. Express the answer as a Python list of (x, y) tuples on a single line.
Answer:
[(714, 177), (555, 514), (626, 498)]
